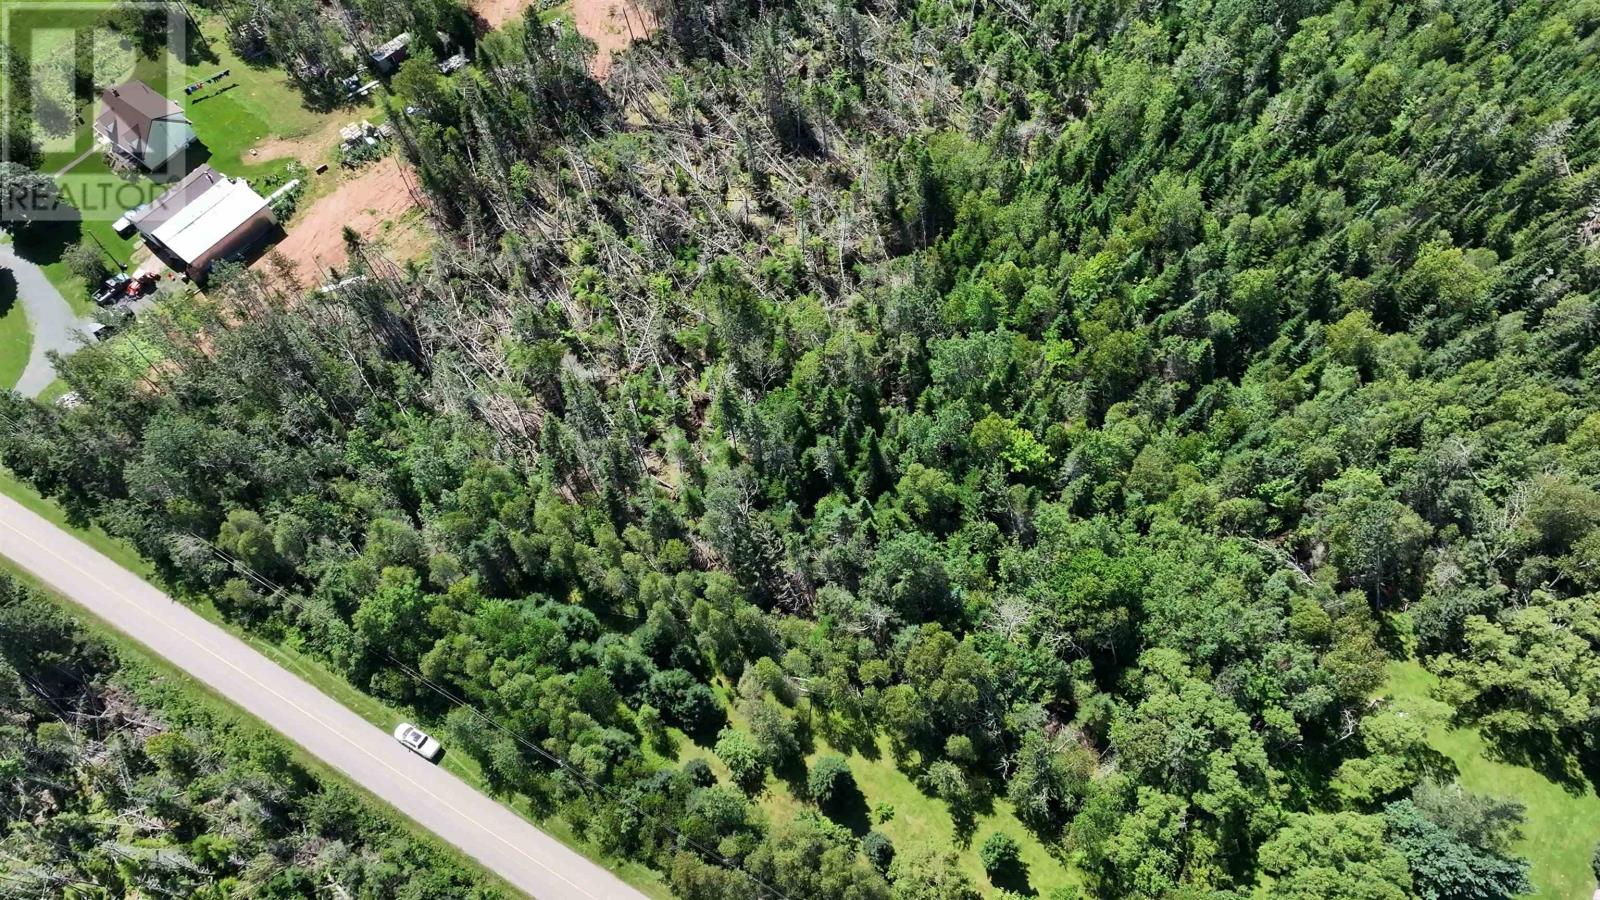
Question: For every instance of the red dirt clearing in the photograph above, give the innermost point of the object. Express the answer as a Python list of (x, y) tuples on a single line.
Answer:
[(611, 24), (495, 13), (315, 240)]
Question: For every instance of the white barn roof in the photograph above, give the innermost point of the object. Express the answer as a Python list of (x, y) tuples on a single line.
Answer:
[(208, 219)]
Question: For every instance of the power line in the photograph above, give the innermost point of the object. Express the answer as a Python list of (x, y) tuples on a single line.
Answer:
[(554, 759), (276, 590)]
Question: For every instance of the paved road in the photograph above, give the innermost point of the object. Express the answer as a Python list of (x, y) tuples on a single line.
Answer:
[(50, 321), (502, 841)]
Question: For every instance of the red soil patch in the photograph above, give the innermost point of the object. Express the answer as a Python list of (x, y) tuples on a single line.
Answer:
[(495, 13), (611, 24), (315, 242)]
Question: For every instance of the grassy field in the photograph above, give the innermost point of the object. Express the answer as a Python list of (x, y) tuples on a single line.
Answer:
[(329, 682), (253, 104), (921, 820), (15, 340), (15, 343), (1563, 821), (90, 186), (894, 805)]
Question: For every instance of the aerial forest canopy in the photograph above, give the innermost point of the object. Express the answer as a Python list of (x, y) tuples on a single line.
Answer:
[(1082, 402)]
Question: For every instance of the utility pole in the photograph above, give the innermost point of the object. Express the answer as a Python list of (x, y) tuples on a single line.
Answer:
[(195, 23), (121, 266)]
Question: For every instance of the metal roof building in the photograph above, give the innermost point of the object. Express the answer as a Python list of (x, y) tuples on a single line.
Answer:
[(205, 217)]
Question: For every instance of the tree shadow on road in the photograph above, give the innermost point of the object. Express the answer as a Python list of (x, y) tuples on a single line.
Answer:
[(45, 242)]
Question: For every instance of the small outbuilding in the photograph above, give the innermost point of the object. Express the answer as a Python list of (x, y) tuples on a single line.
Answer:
[(388, 57), (143, 126), (205, 218)]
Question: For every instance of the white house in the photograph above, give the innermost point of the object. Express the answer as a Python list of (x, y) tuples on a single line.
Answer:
[(142, 125)]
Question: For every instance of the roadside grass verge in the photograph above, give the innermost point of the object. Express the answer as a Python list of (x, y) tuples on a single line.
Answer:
[(93, 535), (54, 391), (133, 658), (370, 708)]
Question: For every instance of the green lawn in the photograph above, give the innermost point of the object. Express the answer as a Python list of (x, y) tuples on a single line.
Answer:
[(1562, 826), (15, 341), (23, 22), (93, 185), (252, 104), (917, 819)]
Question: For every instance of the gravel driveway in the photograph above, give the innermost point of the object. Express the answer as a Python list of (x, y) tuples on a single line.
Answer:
[(51, 321)]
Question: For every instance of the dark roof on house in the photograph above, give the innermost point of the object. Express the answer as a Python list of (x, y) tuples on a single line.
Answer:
[(135, 105), (142, 122), (154, 214)]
